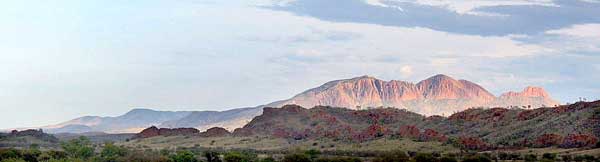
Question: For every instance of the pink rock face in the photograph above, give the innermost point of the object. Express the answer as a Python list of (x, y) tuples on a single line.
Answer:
[(436, 95)]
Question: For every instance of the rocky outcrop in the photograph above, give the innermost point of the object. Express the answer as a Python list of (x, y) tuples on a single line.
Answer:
[(35, 133), (154, 131), (473, 143), (547, 140), (578, 140), (409, 131), (436, 95), (215, 132)]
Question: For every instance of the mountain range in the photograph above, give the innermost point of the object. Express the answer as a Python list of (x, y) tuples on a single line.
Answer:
[(437, 95)]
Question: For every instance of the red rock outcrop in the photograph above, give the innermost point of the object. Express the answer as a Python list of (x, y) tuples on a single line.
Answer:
[(215, 132), (578, 141), (409, 131), (547, 140), (432, 135), (154, 131), (473, 143)]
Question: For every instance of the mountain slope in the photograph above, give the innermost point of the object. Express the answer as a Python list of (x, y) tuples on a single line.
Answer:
[(575, 125), (203, 120), (436, 95)]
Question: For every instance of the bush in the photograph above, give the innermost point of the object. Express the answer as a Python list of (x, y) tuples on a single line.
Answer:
[(9, 154), (212, 156), (239, 157), (448, 159), (268, 159), (339, 159), (110, 152), (530, 158), (312, 153), (79, 148), (13, 160), (392, 156), (598, 144), (296, 158), (549, 156), (184, 156), (424, 157), (477, 158)]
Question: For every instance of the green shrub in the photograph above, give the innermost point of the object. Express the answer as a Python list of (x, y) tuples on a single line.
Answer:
[(477, 158), (9, 154), (424, 157), (111, 153), (339, 159), (448, 159), (549, 156), (392, 156), (212, 156), (79, 148), (296, 158), (13, 160), (268, 159), (530, 158), (184, 156), (312, 153), (239, 157)]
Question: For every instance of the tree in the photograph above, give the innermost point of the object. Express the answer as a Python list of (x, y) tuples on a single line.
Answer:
[(79, 148), (549, 156), (184, 156), (239, 157), (312, 153)]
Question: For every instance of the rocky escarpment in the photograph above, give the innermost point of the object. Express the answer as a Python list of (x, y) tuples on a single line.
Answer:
[(436, 95), (567, 126), (154, 132)]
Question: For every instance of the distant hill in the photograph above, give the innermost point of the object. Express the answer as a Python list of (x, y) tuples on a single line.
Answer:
[(575, 125), (138, 119), (439, 94), (25, 138)]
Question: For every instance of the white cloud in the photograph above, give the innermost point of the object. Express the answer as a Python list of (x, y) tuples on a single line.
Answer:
[(579, 30), (468, 6)]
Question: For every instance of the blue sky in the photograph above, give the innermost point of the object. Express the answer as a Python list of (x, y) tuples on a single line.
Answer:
[(64, 59)]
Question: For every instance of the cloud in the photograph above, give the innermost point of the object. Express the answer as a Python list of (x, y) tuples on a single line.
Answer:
[(485, 18), (579, 30)]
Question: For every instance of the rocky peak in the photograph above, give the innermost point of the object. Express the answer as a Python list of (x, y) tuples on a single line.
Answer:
[(529, 91)]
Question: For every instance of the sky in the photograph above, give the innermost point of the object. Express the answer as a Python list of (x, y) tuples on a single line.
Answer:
[(64, 59)]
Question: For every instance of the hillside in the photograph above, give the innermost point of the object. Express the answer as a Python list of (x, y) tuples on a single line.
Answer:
[(437, 95), (575, 125), (26, 138)]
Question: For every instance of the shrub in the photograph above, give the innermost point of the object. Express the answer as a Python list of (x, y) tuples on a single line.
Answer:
[(110, 152), (312, 153), (79, 148), (549, 156), (339, 159), (9, 154), (566, 158), (530, 158), (184, 156), (448, 159), (477, 158), (424, 157), (268, 159), (13, 160), (212, 156), (392, 156), (239, 157), (296, 158), (598, 144)]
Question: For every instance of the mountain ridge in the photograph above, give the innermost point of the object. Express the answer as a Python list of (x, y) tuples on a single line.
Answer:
[(436, 95)]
